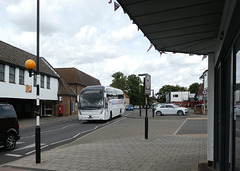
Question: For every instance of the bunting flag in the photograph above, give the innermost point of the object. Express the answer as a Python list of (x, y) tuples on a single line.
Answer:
[(204, 56), (110, 1), (116, 6), (151, 45), (161, 52)]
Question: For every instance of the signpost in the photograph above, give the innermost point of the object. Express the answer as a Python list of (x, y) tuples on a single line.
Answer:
[(147, 92)]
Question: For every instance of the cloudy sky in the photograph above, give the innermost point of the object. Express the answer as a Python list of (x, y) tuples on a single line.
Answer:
[(94, 39)]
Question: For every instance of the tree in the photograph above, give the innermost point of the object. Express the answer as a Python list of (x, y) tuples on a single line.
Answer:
[(133, 89), (129, 85), (193, 88), (119, 81)]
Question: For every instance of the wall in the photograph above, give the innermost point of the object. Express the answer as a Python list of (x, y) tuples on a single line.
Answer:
[(67, 108), (15, 90), (179, 96)]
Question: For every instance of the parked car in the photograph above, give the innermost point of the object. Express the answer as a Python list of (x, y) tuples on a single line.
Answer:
[(168, 109), (136, 107), (9, 127), (129, 107)]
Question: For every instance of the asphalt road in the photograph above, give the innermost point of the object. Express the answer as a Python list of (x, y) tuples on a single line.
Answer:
[(52, 135)]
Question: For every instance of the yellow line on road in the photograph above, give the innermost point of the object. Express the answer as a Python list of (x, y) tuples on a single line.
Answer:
[(197, 118)]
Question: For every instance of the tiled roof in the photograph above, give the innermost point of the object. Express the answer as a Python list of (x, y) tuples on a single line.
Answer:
[(74, 76), (16, 57), (65, 89)]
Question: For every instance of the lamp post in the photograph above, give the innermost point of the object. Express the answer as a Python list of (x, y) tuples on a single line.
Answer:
[(30, 65), (147, 92)]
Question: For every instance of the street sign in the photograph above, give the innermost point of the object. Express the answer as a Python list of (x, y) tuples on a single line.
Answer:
[(147, 85)]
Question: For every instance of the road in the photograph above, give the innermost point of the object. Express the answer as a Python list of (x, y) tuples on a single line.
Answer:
[(52, 135)]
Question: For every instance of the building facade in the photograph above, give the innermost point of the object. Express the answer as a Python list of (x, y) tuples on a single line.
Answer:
[(18, 89), (72, 81), (209, 28)]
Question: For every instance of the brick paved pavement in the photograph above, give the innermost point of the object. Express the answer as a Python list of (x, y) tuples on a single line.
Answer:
[(121, 146)]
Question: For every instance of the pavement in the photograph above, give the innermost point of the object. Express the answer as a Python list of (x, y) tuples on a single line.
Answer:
[(173, 144)]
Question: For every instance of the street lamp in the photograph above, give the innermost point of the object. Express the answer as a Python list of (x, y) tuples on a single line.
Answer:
[(30, 65)]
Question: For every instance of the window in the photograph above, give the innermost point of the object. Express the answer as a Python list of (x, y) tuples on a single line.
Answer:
[(11, 74), (48, 82), (21, 76), (175, 95), (169, 106), (2, 72), (35, 80), (42, 81)]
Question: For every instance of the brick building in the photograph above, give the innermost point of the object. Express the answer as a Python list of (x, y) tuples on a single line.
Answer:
[(72, 81)]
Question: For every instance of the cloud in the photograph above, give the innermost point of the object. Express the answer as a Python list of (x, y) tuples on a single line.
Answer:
[(94, 39)]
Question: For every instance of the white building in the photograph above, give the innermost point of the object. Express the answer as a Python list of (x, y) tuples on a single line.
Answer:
[(18, 89), (179, 96)]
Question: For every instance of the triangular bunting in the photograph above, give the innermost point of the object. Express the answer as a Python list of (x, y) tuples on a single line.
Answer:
[(116, 6), (150, 47)]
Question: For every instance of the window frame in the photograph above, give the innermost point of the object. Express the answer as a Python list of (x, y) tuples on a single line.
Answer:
[(21, 76), (48, 82), (42, 81), (2, 72), (12, 78)]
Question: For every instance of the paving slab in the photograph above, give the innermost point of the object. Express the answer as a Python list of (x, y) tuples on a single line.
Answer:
[(122, 146)]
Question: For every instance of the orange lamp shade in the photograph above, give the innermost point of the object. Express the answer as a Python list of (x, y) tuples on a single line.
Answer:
[(30, 64)]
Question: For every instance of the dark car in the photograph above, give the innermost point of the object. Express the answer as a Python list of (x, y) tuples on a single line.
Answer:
[(129, 107), (9, 127)]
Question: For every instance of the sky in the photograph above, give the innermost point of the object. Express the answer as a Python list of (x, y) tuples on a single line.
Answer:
[(95, 39)]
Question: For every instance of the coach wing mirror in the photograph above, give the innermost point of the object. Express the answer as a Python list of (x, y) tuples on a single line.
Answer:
[(30, 65)]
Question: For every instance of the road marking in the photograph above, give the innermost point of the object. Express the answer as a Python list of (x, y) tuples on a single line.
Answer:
[(180, 127), (30, 152), (60, 141), (28, 146), (196, 118), (93, 130), (13, 155)]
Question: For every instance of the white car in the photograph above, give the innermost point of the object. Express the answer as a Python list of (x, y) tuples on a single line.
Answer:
[(169, 109)]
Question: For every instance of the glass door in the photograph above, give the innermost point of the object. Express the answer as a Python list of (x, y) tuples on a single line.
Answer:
[(237, 106)]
